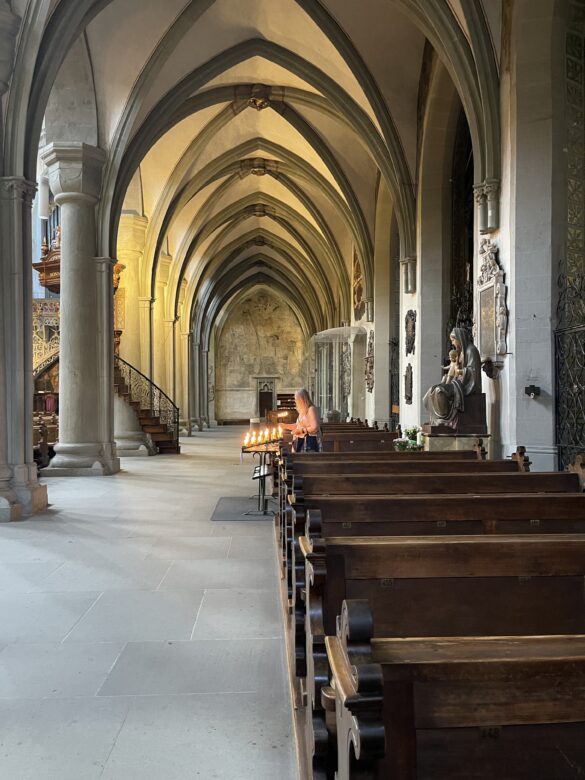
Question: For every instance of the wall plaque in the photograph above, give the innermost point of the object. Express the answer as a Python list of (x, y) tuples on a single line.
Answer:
[(492, 312), (370, 363)]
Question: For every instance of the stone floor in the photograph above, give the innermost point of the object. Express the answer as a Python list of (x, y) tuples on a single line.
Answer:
[(137, 638)]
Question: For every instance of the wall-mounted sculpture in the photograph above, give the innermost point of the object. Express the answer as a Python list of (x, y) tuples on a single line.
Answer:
[(370, 363), (408, 384), (492, 312), (359, 304), (410, 331)]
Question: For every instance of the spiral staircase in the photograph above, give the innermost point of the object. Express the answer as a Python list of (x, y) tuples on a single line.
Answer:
[(157, 415)]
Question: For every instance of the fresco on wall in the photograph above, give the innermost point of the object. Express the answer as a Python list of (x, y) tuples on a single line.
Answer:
[(260, 338)]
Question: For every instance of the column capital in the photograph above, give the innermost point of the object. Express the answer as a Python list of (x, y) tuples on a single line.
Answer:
[(75, 171), (17, 188), (131, 235)]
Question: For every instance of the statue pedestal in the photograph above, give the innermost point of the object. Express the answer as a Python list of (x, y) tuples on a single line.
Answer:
[(444, 442), (471, 422)]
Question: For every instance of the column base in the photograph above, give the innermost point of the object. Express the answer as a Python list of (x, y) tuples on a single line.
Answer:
[(30, 495), (9, 510), (134, 444), (83, 460)]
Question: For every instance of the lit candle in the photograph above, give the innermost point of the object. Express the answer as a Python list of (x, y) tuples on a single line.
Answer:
[(247, 439), (273, 434), (280, 431), (254, 438)]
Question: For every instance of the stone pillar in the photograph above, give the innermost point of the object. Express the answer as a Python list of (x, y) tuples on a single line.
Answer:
[(130, 249), (211, 384), (203, 374), (86, 443), (169, 345), (145, 314), (159, 346), (181, 377), (20, 492), (196, 385)]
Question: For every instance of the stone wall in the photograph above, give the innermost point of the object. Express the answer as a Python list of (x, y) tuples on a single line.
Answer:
[(260, 338)]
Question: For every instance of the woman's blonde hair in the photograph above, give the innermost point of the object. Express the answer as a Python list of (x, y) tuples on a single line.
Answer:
[(303, 399)]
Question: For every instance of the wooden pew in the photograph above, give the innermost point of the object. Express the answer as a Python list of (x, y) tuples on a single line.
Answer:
[(439, 587), (307, 487), (360, 440), (310, 490), (456, 708)]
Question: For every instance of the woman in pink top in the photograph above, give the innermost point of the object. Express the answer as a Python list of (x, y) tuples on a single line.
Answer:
[(307, 429)]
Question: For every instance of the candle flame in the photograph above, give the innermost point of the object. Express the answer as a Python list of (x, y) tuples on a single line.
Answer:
[(247, 439), (254, 437), (273, 434)]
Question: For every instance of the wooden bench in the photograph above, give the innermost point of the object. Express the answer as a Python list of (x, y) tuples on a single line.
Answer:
[(456, 708), (437, 587), (360, 440), (311, 490)]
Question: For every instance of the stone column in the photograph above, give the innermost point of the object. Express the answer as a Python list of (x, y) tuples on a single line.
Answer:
[(145, 315), (20, 492), (204, 372), (196, 385), (86, 445), (169, 345), (160, 347), (130, 249), (181, 380)]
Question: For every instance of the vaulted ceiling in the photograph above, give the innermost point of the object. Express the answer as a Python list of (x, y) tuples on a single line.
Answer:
[(253, 134)]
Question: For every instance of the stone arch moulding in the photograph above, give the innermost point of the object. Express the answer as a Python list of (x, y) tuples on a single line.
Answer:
[(175, 106)]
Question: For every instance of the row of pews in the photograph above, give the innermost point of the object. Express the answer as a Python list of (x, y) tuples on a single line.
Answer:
[(437, 612)]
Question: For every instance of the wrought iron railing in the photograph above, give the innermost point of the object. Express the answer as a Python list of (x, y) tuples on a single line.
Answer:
[(150, 397), (570, 393)]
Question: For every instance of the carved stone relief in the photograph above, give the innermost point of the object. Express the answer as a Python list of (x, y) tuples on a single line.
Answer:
[(410, 331), (492, 313), (370, 363), (408, 384), (346, 370)]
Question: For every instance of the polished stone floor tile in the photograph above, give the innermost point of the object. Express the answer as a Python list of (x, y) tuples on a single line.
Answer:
[(138, 639), (41, 617), (139, 616), (227, 736), (55, 670), (186, 548), (58, 739), (219, 574), (252, 548), (203, 666), (23, 577), (231, 614), (102, 573)]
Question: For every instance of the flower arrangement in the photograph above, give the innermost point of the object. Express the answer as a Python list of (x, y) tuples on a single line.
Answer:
[(412, 433), (410, 441)]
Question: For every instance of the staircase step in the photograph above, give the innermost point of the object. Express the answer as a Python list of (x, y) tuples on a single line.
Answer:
[(148, 428), (169, 448), (148, 420), (162, 436)]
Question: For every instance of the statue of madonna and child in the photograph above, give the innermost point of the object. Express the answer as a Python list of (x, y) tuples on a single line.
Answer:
[(457, 401)]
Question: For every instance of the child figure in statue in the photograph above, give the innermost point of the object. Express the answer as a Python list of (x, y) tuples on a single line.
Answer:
[(445, 401)]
